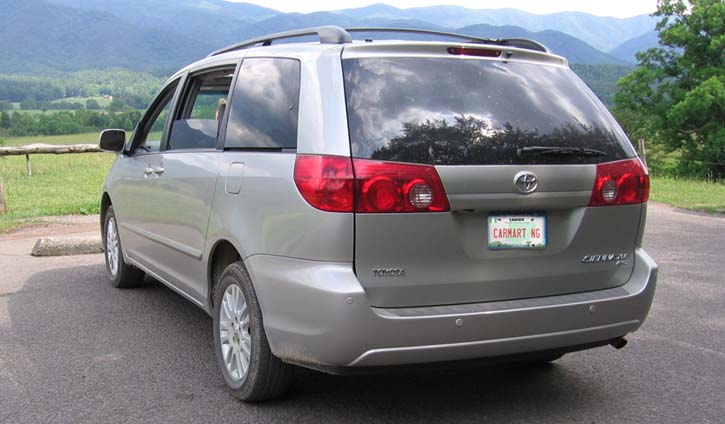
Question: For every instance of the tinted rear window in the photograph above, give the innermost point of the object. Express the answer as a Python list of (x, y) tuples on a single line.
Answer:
[(473, 112), (263, 112)]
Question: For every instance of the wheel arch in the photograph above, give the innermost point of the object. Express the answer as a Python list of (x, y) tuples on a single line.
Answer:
[(105, 204), (222, 254)]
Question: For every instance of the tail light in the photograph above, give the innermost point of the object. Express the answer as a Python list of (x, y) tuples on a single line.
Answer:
[(398, 187), (328, 183), (623, 182)]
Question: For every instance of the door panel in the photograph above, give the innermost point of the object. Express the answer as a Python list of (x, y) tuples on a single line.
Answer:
[(182, 190), (182, 197), (516, 145), (132, 199), (135, 177)]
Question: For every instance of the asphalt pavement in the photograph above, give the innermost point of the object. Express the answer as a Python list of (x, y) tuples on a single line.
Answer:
[(73, 349)]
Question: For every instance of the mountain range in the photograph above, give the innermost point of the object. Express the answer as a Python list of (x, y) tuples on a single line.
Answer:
[(56, 36)]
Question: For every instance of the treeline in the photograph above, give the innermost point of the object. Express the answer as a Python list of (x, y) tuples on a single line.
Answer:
[(134, 89), (61, 123), (602, 79), (674, 100)]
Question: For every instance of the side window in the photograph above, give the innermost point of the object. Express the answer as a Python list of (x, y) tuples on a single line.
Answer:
[(205, 100), (206, 104), (263, 113), (152, 127)]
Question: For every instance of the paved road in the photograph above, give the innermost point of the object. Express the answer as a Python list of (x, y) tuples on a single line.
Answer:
[(74, 350)]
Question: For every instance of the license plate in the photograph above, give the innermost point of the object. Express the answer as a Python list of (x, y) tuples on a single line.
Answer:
[(517, 231)]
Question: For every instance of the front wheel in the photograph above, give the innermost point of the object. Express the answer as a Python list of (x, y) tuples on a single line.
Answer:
[(122, 274), (249, 368)]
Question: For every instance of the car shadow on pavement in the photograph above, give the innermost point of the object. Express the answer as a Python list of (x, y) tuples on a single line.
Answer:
[(80, 348)]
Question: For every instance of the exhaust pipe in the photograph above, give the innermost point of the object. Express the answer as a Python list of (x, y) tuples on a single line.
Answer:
[(618, 343)]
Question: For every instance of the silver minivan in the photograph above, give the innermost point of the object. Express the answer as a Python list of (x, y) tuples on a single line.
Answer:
[(349, 206)]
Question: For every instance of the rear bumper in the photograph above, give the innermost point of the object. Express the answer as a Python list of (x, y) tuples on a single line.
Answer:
[(317, 314)]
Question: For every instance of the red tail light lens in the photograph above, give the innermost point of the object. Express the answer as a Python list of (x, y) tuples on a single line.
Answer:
[(468, 51), (326, 182), (387, 187), (623, 182)]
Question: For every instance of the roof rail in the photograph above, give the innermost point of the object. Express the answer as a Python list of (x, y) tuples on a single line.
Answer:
[(424, 31), (523, 43), (336, 35), (328, 35)]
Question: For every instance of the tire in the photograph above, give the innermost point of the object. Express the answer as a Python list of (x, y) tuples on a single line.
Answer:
[(122, 274), (266, 377)]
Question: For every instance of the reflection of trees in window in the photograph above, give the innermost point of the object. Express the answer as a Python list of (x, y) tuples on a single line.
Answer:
[(472, 141)]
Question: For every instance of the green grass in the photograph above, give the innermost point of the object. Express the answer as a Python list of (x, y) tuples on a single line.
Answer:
[(85, 138), (689, 194), (102, 101), (60, 184)]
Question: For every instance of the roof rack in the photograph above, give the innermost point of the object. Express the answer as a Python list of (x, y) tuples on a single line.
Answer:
[(328, 35), (424, 32), (336, 35), (523, 43)]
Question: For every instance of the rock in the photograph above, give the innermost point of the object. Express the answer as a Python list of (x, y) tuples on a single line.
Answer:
[(67, 246)]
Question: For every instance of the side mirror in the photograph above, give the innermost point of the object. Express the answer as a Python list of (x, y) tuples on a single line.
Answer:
[(112, 140)]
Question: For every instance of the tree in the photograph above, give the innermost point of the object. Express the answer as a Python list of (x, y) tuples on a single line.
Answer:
[(118, 105), (676, 95), (92, 104), (4, 120)]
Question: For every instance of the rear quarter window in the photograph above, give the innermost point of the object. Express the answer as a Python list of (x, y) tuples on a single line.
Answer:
[(452, 111), (264, 105)]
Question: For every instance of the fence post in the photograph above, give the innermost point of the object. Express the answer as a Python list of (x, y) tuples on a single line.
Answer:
[(642, 151), (27, 165), (3, 208)]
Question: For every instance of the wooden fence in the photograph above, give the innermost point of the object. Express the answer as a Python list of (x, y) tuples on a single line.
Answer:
[(36, 149)]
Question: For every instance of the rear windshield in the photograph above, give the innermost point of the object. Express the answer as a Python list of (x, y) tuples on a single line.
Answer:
[(452, 111)]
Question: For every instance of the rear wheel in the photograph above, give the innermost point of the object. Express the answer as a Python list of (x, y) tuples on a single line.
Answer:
[(249, 368), (122, 275)]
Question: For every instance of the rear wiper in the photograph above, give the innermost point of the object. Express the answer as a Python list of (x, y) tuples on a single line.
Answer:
[(557, 151)]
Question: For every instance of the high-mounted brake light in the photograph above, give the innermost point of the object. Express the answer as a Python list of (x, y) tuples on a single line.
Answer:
[(623, 182), (328, 183), (468, 51)]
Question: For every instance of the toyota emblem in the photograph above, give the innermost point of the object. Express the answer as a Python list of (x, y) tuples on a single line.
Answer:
[(526, 182)]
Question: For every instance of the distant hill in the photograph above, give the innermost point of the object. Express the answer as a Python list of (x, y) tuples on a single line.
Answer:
[(574, 49), (41, 37), (627, 50), (213, 22), (56, 36), (603, 33)]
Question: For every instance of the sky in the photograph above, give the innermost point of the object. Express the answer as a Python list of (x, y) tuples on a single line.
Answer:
[(616, 8)]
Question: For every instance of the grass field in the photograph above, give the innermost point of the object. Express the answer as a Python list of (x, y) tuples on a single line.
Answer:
[(71, 184), (54, 139), (102, 102), (689, 194), (60, 184)]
